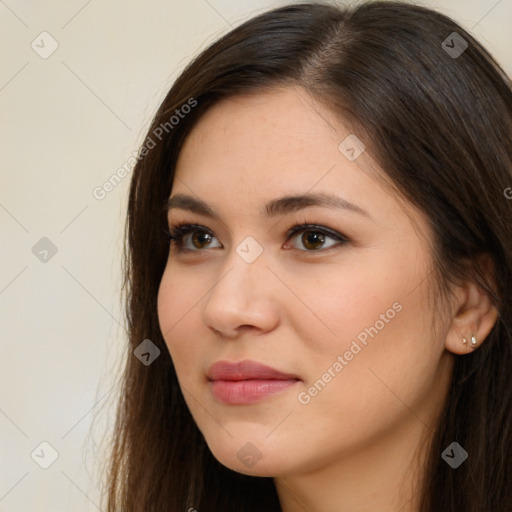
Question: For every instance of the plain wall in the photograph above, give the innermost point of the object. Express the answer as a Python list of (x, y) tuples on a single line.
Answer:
[(68, 122)]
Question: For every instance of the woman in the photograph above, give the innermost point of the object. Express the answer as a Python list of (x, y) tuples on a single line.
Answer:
[(319, 248)]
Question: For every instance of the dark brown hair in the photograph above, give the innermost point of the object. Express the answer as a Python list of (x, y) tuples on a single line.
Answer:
[(440, 126)]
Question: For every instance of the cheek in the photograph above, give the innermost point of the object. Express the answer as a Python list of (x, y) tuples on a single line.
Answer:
[(176, 313), (363, 297), (334, 306), (370, 320)]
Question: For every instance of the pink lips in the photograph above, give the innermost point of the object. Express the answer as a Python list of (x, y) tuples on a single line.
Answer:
[(246, 381)]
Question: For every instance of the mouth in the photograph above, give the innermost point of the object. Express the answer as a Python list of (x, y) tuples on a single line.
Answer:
[(239, 392), (247, 381)]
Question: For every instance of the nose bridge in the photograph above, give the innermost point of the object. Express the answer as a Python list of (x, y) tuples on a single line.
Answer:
[(245, 264), (238, 296), (249, 250)]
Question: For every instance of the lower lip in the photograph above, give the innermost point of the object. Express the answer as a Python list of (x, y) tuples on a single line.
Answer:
[(248, 391)]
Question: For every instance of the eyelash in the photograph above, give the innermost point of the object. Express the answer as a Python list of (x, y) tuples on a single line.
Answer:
[(177, 231)]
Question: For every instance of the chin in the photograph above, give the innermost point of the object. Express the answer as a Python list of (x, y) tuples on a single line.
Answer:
[(262, 468), (249, 458)]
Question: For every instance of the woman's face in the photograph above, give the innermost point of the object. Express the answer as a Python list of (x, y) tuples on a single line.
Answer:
[(347, 322)]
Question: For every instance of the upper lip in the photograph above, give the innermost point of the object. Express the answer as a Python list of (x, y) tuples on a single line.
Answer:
[(245, 370)]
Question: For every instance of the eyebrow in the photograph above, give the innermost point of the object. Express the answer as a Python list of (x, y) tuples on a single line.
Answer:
[(273, 208)]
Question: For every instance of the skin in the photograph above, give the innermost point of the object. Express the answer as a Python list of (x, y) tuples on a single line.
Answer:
[(297, 309)]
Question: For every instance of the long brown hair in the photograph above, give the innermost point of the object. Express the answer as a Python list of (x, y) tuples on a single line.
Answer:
[(440, 126)]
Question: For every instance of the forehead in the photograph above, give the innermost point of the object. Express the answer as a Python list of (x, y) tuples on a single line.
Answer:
[(275, 137)]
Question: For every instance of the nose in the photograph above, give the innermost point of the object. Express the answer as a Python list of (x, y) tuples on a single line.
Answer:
[(243, 297)]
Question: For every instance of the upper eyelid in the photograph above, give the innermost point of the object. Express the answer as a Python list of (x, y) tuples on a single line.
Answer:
[(294, 228), (311, 226)]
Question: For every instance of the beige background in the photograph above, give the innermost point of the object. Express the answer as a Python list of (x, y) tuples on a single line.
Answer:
[(68, 122)]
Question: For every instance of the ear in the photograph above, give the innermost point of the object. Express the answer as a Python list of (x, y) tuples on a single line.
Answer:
[(475, 313)]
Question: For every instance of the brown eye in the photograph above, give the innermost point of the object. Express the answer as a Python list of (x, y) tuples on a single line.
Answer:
[(313, 239), (198, 238)]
